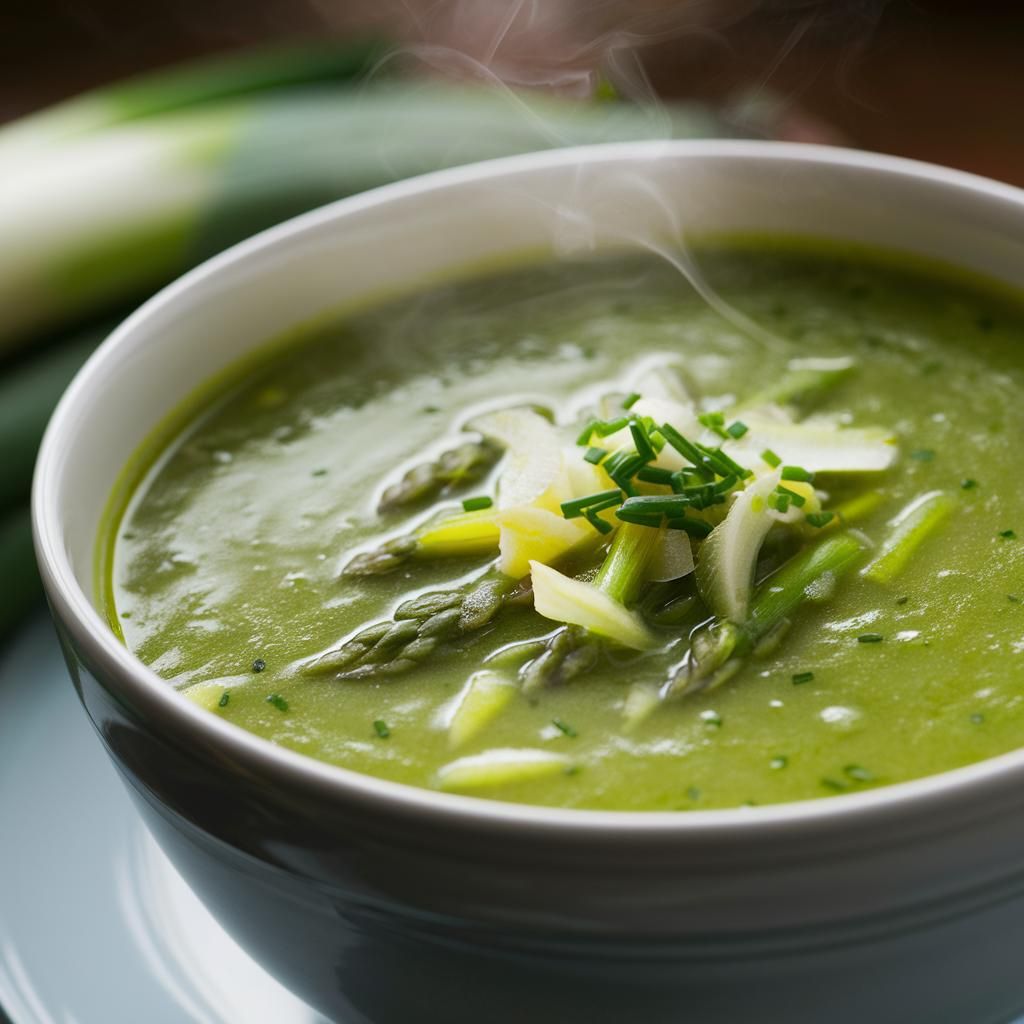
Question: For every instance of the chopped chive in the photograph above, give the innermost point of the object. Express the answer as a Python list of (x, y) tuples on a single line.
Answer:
[(644, 448), (687, 449), (797, 473), (870, 638), (1015, 598), (903, 599), (858, 774), (564, 727), (737, 429), (771, 458), (592, 514), (820, 519), (476, 504), (794, 499), (597, 522), (968, 484), (693, 793), (923, 454), (655, 475), (638, 518), (595, 455), (835, 785), (603, 428), (380, 727), (779, 500), (259, 665), (660, 504), (712, 718), (584, 435), (694, 527), (723, 464), (574, 508), (225, 697), (623, 469), (714, 421), (778, 762), (319, 472), (277, 700), (1008, 534), (630, 400), (799, 678)]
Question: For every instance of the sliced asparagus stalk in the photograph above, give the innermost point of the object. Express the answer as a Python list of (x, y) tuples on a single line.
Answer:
[(501, 767), (909, 530), (574, 648), (717, 649), (417, 629), (806, 382), (465, 534), (486, 695), (466, 464)]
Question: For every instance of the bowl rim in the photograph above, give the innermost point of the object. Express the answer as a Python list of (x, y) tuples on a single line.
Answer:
[(151, 695)]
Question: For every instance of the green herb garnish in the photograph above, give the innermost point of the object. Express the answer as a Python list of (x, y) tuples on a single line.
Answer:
[(797, 473), (737, 429), (225, 697), (630, 400), (380, 727), (778, 762), (714, 421), (968, 484), (476, 504), (564, 727), (595, 455), (820, 519), (858, 774), (799, 678), (771, 458), (870, 638), (573, 509), (641, 440), (277, 700), (1008, 534), (603, 428)]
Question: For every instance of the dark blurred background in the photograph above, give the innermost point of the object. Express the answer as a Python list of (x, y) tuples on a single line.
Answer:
[(941, 81)]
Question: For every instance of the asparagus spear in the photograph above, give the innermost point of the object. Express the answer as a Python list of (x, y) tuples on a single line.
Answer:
[(466, 464), (463, 534), (910, 529), (717, 649), (572, 649), (418, 628)]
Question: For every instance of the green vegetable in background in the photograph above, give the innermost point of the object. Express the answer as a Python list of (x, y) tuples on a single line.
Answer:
[(110, 195)]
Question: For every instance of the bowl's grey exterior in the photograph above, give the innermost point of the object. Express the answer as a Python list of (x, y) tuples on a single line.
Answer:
[(380, 903)]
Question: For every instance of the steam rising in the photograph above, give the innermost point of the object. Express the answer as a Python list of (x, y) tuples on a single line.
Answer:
[(573, 47)]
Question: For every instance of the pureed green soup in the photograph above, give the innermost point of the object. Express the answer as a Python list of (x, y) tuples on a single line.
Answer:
[(819, 648)]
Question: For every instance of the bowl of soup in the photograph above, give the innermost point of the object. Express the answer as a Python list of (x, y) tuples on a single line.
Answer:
[(581, 587)]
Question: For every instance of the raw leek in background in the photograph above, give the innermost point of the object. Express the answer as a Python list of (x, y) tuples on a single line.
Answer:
[(109, 196)]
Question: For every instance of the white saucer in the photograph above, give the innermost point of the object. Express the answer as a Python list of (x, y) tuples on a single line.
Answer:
[(96, 927)]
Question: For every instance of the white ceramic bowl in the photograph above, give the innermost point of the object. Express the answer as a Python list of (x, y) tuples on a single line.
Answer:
[(379, 902)]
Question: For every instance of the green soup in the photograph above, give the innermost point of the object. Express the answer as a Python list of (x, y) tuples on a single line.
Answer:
[(226, 574)]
